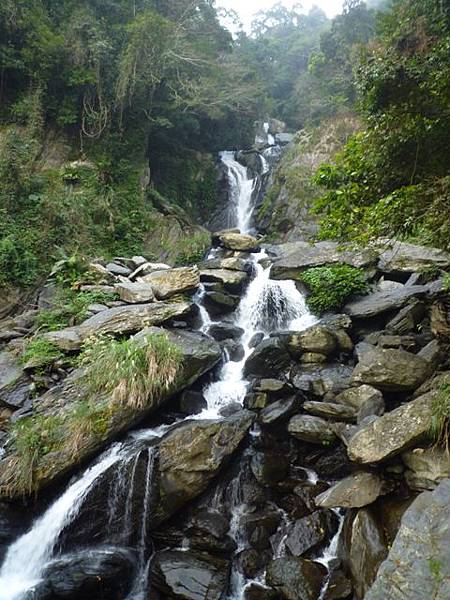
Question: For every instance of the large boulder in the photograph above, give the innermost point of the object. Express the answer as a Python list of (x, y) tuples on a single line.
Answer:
[(270, 357), (394, 432), (295, 257), (189, 576), (381, 302), (426, 467), (199, 354), (317, 339), (391, 370), (170, 282), (237, 241), (100, 574), (117, 321), (311, 429), (410, 258), (134, 292), (365, 547), (418, 564), (320, 380), (191, 455), (355, 491), (361, 396), (296, 578), (310, 532)]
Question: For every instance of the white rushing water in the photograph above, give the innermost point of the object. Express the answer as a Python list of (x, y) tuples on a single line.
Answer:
[(26, 558), (241, 192)]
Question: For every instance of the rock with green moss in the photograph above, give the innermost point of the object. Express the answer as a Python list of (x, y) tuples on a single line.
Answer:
[(191, 456)]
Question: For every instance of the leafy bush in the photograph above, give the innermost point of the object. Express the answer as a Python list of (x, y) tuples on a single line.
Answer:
[(440, 426), (133, 371), (331, 286)]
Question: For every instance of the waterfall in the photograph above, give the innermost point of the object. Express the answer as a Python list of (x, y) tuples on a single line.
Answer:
[(241, 192), (28, 556)]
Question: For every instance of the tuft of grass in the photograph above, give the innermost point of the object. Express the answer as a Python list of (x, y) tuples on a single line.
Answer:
[(41, 354), (132, 371), (332, 286), (192, 249), (70, 308), (31, 439), (87, 419), (440, 423)]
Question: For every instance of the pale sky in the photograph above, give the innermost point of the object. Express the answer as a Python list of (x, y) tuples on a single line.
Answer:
[(247, 8)]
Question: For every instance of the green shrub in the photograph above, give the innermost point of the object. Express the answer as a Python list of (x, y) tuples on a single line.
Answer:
[(132, 371), (440, 424), (193, 249), (41, 354), (331, 286)]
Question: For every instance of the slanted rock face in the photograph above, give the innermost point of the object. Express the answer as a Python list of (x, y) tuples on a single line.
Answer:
[(270, 357), (186, 575), (380, 302), (14, 385), (296, 578), (394, 432), (170, 282), (120, 320), (191, 455), (418, 564), (310, 532), (299, 256), (391, 370), (237, 241), (366, 549), (311, 429), (233, 281), (408, 258), (355, 491)]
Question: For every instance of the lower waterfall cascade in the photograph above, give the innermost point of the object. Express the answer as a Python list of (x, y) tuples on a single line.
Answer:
[(267, 306)]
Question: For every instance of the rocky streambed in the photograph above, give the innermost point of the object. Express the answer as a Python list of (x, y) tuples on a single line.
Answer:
[(290, 458)]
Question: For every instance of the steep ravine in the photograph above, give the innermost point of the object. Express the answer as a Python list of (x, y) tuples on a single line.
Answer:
[(279, 463)]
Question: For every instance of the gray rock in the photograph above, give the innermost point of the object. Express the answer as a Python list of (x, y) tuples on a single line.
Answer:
[(237, 241), (117, 269), (381, 302), (332, 378), (189, 576), (296, 578), (315, 339), (269, 468), (232, 281), (120, 320), (309, 532), (279, 411), (408, 258), (328, 410), (15, 388), (418, 564), (270, 357), (135, 292), (275, 388), (192, 403), (190, 456), (219, 303), (311, 429), (433, 353), (225, 331), (365, 552), (147, 268), (394, 432), (299, 256), (407, 319), (234, 264), (391, 370), (355, 491), (170, 282), (357, 397), (284, 138), (256, 339), (256, 400), (426, 467)]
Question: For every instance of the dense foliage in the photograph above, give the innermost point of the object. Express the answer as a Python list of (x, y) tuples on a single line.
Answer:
[(330, 287), (394, 178)]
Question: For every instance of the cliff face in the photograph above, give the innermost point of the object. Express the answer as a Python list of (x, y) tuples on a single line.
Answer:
[(284, 214)]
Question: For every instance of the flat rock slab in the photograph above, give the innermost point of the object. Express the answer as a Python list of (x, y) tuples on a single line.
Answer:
[(170, 282), (391, 370), (360, 489), (329, 410), (381, 302), (135, 292), (409, 258), (295, 257), (123, 319), (394, 432), (233, 281), (418, 564)]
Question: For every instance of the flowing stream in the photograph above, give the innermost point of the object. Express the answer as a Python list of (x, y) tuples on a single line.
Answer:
[(267, 306)]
